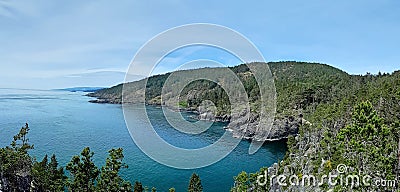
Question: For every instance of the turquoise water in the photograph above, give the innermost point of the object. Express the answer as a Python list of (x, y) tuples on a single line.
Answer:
[(64, 123)]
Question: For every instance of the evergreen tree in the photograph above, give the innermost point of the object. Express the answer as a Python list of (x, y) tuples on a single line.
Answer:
[(83, 172), (195, 183), (109, 180), (241, 182), (40, 176), (57, 176), (15, 163), (138, 187), (47, 176), (367, 144)]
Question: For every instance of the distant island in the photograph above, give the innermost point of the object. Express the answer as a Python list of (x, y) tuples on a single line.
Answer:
[(81, 89)]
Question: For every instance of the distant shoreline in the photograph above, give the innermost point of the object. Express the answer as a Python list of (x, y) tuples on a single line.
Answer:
[(81, 89)]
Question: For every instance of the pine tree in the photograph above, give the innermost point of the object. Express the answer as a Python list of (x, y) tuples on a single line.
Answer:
[(83, 172), (15, 163), (241, 182), (40, 176), (138, 187), (109, 180), (367, 144), (195, 184), (56, 175), (47, 176)]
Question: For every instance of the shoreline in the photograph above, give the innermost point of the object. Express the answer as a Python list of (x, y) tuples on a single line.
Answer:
[(196, 116)]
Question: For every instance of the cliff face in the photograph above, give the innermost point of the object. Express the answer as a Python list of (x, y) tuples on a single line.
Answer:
[(300, 88), (281, 128), (23, 181)]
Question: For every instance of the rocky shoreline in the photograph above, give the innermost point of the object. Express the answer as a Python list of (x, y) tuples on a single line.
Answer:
[(246, 128)]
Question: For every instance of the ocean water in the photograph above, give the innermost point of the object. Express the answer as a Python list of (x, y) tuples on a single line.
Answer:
[(63, 123)]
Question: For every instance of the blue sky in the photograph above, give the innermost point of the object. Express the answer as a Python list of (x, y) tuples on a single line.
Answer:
[(53, 44)]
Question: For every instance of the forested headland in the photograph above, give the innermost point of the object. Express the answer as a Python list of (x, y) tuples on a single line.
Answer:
[(350, 119), (328, 116)]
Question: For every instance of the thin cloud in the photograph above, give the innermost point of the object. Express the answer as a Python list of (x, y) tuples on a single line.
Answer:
[(49, 40), (5, 9)]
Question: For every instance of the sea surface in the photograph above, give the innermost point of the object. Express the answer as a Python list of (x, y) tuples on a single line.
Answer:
[(63, 123)]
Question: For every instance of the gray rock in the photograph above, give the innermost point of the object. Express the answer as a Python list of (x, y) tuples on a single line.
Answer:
[(281, 128)]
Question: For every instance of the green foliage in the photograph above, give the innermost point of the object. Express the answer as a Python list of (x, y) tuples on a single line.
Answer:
[(368, 144), (363, 136), (83, 172), (302, 86), (195, 184), (109, 179), (20, 142), (47, 176), (242, 182), (183, 104), (15, 163), (138, 187), (365, 144), (19, 173), (341, 132)]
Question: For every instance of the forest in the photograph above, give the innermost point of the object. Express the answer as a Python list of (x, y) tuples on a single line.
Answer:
[(354, 120)]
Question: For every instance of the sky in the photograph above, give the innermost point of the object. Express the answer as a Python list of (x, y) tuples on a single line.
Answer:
[(48, 44)]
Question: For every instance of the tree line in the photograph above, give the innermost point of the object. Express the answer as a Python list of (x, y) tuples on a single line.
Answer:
[(21, 172)]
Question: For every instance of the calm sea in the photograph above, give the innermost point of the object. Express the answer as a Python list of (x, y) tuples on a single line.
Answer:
[(63, 123)]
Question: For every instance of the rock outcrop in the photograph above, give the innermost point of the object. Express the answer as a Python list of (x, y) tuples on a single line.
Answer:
[(280, 129)]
